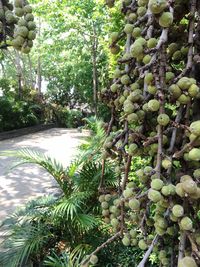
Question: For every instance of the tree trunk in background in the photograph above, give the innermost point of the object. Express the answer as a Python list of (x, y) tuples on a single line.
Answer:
[(19, 73), (95, 72), (39, 75), (31, 72)]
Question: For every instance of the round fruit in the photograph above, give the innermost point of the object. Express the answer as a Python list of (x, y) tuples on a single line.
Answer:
[(156, 6), (178, 211), (187, 262), (194, 154), (134, 204), (186, 224), (163, 119), (157, 184), (154, 195), (93, 259), (166, 19), (195, 128), (154, 105)]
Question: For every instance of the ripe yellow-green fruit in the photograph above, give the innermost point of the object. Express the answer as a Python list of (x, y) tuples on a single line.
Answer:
[(152, 89), (184, 83), (148, 170), (196, 174), (136, 50), (134, 204), (148, 78), (154, 105), (186, 224), (157, 184), (115, 49), (185, 178), (163, 119), (128, 193), (168, 190), (175, 91), (133, 117), (104, 205), (136, 32), (146, 59), (132, 149), (156, 6), (187, 262), (126, 241), (195, 128), (114, 222), (128, 28), (178, 211), (169, 76), (154, 195), (94, 259), (152, 42), (114, 87), (132, 17), (140, 41), (194, 154), (190, 187), (114, 36), (142, 244), (179, 190), (141, 11), (101, 198), (193, 90), (183, 99), (166, 19), (166, 163)]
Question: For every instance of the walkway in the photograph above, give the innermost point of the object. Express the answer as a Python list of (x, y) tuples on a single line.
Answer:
[(28, 180)]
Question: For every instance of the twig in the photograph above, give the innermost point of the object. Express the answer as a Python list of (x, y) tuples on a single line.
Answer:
[(148, 252), (181, 245)]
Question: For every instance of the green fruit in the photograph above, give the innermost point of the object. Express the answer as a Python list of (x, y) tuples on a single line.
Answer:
[(166, 19), (136, 32), (193, 90), (183, 99), (132, 17), (169, 76), (31, 25), (142, 245), (148, 170), (175, 91), (19, 12), (152, 42), (152, 89), (128, 28), (178, 211), (186, 224), (177, 56), (141, 11), (133, 233), (22, 22), (194, 154), (184, 83), (129, 108), (128, 193), (190, 187), (154, 105), (163, 119), (196, 174), (148, 78), (157, 184), (115, 49), (166, 163), (114, 87), (22, 31), (93, 259), (29, 17), (146, 59), (18, 41), (187, 262), (162, 223), (195, 128), (132, 149), (131, 118), (105, 213), (125, 79), (134, 204), (140, 41), (168, 190), (104, 205), (126, 241), (28, 9), (162, 254), (18, 3), (136, 50), (108, 197), (31, 35), (172, 48), (185, 178), (156, 6), (102, 198), (154, 195), (114, 222), (179, 190)]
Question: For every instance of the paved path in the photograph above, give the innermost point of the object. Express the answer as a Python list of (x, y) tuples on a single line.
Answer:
[(28, 180)]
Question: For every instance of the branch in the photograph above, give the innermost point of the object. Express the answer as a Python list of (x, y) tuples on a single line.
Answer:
[(182, 244)]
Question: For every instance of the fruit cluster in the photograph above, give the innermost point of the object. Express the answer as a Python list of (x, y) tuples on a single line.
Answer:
[(17, 26), (155, 102)]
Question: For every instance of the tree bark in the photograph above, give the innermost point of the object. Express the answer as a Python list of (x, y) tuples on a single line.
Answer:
[(19, 74), (39, 75), (95, 71)]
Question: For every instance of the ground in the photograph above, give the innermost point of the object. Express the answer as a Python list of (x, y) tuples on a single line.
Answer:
[(28, 181)]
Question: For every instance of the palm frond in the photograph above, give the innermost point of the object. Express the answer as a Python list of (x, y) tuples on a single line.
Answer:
[(26, 155), (85, 222)]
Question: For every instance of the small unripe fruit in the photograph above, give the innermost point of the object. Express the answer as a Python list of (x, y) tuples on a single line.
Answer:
[(114, 222), (152, 42), (154, 105), (186, 224), (128, 193), (104, 205), (166, 19), (194, 154), (154, 195), (193, 90), (156, 6), (157, 184), (134, 204), (179, 190), (195, 128), (166, 163), (132, 149), (175, 91), (184, 83), (187, 262), (148, 78), (128, 28), (190, 187), (93, 259), (163, 119), (178, 211), (136, 32), (126, 241), (125, 79), (142, 245), (146, 59), (183, 99), (133, 117)]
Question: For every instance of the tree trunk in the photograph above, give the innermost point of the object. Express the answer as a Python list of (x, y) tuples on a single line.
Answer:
[(19, 74), (39, 75), (32, 82), (95, 71)]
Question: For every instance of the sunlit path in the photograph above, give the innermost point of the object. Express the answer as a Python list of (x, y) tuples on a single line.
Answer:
[(27, 181)]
